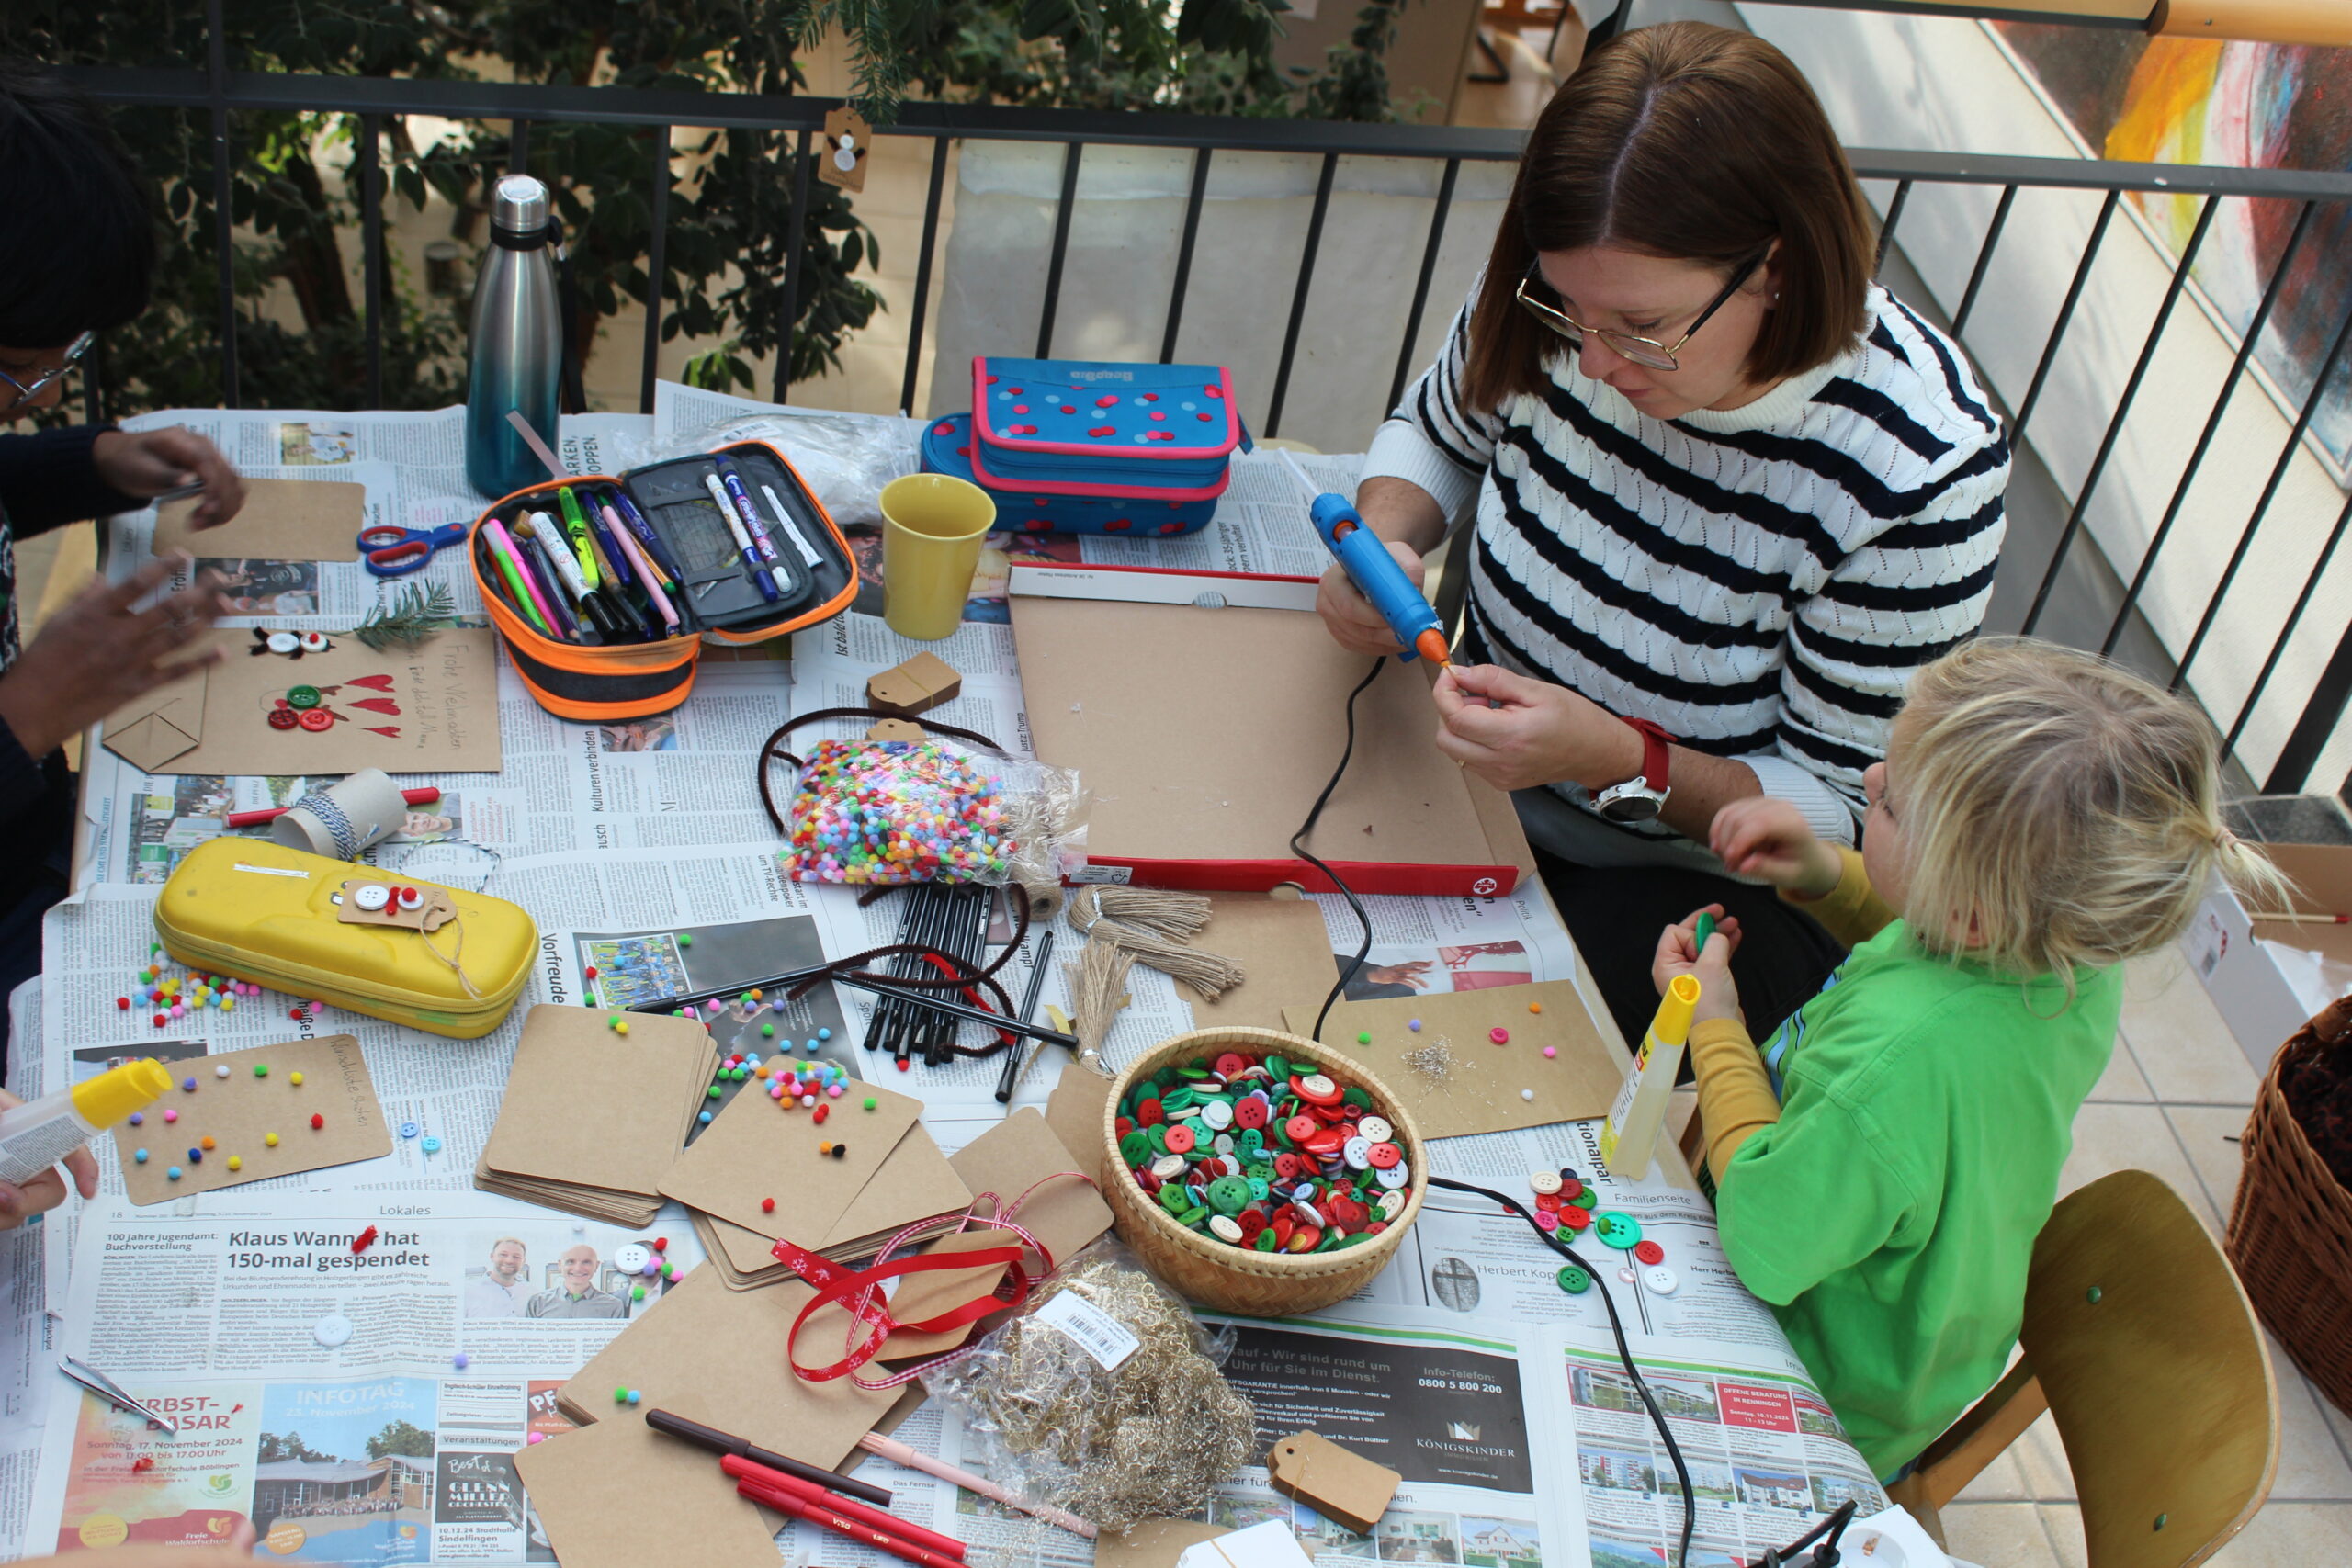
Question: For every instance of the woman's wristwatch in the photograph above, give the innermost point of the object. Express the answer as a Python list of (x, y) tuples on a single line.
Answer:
[(1643, 796)]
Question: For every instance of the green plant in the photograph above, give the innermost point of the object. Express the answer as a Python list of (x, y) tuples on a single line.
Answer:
[(727, 239)]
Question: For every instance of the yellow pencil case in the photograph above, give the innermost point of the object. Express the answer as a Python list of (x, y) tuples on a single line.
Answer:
[(257, 910)]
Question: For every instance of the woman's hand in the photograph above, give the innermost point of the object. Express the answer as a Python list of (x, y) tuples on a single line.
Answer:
[(1770, 841), (1678, 953), (1354, 624), (1516, 733), (46, 1191), (152, 461), (98, 653)]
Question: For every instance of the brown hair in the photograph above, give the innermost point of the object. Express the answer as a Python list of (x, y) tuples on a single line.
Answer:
[(1692, 142)]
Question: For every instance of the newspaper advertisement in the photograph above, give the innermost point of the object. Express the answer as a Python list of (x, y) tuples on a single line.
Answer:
[(358, 1398)]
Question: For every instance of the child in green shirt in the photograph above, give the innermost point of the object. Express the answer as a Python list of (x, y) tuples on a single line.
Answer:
[(1883, 1163)]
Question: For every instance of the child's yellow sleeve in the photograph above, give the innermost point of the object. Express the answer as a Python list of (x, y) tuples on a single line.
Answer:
[(1852, 911), (1735, 1098)]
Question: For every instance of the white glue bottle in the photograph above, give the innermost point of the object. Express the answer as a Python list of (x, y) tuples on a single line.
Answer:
[(1634, 1122), (34, 1138)]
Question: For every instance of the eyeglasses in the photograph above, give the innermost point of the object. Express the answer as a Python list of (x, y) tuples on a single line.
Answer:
[(28, 391), (1640, 350)]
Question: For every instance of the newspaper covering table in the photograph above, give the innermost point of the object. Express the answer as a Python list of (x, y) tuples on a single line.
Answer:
[(1465, 1365)]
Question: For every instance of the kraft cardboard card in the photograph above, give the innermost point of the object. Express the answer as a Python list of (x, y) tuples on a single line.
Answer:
[(1284, 949), (219, 1134), (619, 1494), (584, 1107), (281, 520), (1074, 1111), (1153, 1543), (1019, 1160), (754, 1151), (1455, 1079), (703, 1341), (433, 709)]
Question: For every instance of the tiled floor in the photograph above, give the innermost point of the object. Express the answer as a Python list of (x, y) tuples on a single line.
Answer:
[(2173, 1102)]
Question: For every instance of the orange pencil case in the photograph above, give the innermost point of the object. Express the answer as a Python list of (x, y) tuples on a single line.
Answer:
[(586, 672)]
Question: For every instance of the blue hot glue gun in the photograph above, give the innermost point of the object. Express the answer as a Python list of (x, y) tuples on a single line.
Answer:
[(1374, 571)]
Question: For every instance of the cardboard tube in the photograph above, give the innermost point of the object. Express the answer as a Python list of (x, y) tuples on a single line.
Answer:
[(2256, 21), (370, 799)]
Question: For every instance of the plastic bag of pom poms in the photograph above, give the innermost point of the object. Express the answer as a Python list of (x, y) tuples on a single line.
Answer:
[(879, 813), (1110, 1405)]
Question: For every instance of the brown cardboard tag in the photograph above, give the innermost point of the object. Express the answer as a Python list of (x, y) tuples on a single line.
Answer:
[(1336, 1483), (430, 916), (281, 520), (842, 160)]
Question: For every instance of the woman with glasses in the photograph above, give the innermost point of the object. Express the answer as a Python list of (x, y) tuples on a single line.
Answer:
[(1725, 495), (77, 249)]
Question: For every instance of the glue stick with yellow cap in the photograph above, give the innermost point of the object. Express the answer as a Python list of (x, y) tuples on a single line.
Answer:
[(1634, 1122), (34, 1138)]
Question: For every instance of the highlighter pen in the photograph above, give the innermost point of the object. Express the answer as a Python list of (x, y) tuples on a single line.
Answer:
[(654, 549), (792, 530), (750, 515), (649, 579), (609, 549), (751, 563), (536, 558), (567, 571), (510, 565), (575, 527)]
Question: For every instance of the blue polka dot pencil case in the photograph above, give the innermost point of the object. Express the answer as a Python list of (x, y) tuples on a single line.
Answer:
[(1107, 431)]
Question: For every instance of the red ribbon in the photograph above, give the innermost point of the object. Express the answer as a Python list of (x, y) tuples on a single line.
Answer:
[(859, 1289)]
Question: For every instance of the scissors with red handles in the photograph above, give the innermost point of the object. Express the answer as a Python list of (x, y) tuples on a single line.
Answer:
[(395, 552)]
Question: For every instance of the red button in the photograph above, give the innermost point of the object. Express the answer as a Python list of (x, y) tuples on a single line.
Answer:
[(1251, 1114), (1649, 1252), (1150, 1114), (1229, 1064), (1180, 1140), (1575, 1219), (1332, 1097), (1571, 1189), (315, 719), (1298, 1129), (1286, 1167), (282, 718), (1384, 1155), (1328, 1142), (1547, 1203)]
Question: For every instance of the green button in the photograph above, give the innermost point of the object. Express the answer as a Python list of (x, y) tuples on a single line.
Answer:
[(1584, 1199), (1260, 1187), (1196, 1072), (1265, 1242), (1618, 1230), (302, 698), (1229, 1194), (1575, 1281), (1158, 1136), (1357, 1096), (1174, 1199), (1280, 1068), (1178, 1099), (1133, 1148), (1253, 1140)]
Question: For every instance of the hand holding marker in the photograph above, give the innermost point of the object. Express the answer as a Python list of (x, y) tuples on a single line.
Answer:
[(1366, 560)]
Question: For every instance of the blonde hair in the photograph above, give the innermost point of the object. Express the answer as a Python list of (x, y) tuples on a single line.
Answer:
[(2065, 806)]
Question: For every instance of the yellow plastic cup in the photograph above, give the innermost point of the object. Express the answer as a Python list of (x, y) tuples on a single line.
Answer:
[(932, 526)]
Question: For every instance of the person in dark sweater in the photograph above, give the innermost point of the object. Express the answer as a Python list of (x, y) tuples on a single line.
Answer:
[(77, 251)]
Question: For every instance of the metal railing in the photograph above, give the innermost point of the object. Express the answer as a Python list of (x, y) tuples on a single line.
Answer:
[(220, 92)]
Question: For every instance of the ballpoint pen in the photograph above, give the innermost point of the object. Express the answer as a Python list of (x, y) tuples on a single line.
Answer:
[(733, 484), (792, 529), (752, 563), (654, 549), (649, 577)]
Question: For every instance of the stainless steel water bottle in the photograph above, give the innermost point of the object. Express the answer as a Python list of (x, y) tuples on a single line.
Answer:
[(517, 347)]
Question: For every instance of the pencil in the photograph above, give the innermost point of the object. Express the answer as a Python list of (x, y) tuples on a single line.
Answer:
[(898, 1453), (2291, 918)]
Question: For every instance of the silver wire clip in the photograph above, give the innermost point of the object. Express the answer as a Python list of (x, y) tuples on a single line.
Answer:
[(106, 1388)]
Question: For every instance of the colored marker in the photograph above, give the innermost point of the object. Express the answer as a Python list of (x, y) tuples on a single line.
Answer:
[(576, 527), (609, 549), (655, 548), (751, 563), (510, 566), (750, 515), (539, 559), (648, 578), (791, 529), (567, 570)]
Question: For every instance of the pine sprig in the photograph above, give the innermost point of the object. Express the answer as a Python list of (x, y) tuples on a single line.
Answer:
[(411, 615)]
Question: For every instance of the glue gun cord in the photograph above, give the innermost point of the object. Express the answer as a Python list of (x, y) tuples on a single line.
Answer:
[(1624, 1351), (1298, 847)]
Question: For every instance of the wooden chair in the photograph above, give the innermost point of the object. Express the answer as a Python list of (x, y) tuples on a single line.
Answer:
[(2140, 1343)]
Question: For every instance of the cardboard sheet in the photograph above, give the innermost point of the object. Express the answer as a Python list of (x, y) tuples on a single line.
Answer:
[(578, 1128), (619, 1494), (1074, 1111), (1153, 1543), (1480, 1092), (1286, 950), (725, 1348), (239, 1112), (432, 709), (281, 520), (1016, 1156), (1169, 784)]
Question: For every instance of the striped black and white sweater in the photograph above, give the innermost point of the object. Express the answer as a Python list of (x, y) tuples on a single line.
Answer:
[(1760, 582)]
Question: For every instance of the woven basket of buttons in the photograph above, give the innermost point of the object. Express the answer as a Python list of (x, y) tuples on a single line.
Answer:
[(1267, 1139)]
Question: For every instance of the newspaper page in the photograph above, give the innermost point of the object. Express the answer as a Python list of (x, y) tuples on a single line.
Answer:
[(360, 1402)]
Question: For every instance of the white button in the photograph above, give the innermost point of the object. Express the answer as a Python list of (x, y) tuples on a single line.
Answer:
[(1217, 1115), (1624, 1276), (1390, 1204), (1167, 1167), (1308, 1215), (1545, 1181), (332, 1330), (1660, 1278), (1395, 1177), (411, 899), (1357, 1152), (1377, 1128), (1225, 1228), (284, 642), (373, 896), (1315, 1084), (630, 1257)]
